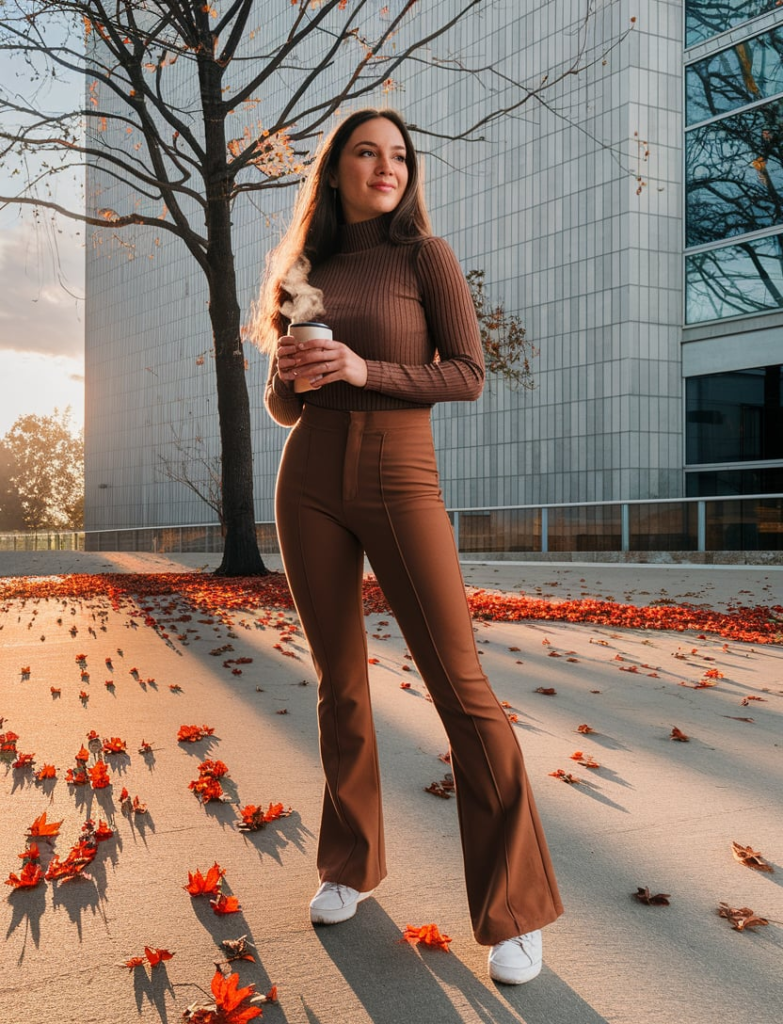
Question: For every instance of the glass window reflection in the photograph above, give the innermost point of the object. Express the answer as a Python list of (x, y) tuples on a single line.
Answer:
[(743, 74), (734, 174), (735, 417), (735, 280), (707, 18)]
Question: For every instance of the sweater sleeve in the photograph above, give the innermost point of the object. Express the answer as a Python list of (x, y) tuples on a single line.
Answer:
[(281, 401), (458, 373)]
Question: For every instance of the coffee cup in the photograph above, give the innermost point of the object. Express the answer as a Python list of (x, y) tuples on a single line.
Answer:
[(305, 331)]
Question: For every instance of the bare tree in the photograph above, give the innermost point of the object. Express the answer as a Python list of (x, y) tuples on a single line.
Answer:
[(197, 470), (167, 134)]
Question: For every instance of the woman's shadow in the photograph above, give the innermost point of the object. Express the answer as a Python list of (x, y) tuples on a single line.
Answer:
[(414, 984)]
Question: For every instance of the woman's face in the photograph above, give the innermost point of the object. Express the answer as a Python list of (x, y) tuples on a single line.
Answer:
[(371, 174)]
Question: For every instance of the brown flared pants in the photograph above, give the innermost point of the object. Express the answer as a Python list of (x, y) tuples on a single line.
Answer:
[(352, 483)]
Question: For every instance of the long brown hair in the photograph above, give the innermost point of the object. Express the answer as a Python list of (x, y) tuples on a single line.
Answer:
[(314, 229)]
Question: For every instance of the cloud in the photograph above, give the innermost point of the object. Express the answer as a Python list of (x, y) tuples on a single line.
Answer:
[(42, 276)]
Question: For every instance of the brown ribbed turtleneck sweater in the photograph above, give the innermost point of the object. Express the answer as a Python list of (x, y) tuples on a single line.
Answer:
[(396, 306)]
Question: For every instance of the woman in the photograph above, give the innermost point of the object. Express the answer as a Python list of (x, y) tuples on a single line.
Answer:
[(358, 476)]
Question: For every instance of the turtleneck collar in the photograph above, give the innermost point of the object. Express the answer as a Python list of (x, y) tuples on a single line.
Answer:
[(367, 234)]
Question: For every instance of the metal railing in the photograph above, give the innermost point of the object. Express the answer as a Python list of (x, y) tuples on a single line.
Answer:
[(731, 523), (739, 523)]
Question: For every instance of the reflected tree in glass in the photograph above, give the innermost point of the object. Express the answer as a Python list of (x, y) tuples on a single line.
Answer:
[(707, 18), (734, 175), (732, 78), (735, 280)]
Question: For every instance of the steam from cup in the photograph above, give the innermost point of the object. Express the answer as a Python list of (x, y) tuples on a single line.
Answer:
[(306, 303)]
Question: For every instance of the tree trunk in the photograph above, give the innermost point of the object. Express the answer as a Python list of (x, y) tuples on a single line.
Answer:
[(241, 556)]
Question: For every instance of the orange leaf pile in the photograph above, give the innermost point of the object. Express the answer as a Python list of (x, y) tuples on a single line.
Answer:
[(207, 786), (426, 935)]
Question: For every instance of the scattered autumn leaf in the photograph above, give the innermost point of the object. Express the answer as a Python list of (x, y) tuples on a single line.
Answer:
[(29, 877), (231, 1006), (678, 734), (443, 789), (205, 885), (741, 918), (223, 904), (586, 760), (43, 829), (750, 858), (643, 895), (255, 817), (549, 691), (426, 935), (193, 733), (156, 956), (564, 776), (239, 949)]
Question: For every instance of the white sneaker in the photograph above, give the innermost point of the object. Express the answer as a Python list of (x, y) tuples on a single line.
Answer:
[(516, 960), (334, 903)]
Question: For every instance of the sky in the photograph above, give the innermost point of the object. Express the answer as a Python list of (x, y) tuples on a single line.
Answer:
[(41, 297)]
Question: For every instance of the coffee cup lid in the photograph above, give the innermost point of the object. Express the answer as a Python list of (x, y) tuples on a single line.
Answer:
[(308, 323)]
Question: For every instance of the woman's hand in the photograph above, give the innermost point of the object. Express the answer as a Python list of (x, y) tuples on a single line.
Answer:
[(319, 361)]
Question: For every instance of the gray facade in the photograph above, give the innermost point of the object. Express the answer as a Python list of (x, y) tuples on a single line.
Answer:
[(575, 210)]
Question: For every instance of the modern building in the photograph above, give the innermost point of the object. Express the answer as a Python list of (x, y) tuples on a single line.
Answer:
[(631, 213)]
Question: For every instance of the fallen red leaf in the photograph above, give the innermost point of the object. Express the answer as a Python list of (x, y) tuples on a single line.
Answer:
[(564, 776), (43, 829), (586, 760), (223, 904), (205, 885), (156, 956), (678, 734), (134, 962), (426, 935), (193, 733), (99, 775), (549, 691), (30, 876)]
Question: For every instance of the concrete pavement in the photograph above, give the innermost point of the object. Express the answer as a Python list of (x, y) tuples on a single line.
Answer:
[(656, 813)]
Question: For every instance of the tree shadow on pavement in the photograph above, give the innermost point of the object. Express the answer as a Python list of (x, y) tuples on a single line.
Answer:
[(412, 984)]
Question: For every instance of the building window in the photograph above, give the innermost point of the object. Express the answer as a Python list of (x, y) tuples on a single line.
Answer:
[(735, 279), (735, 175), (707, 18), (735, 77), (735, 417), (705, 483), (734, 171)]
